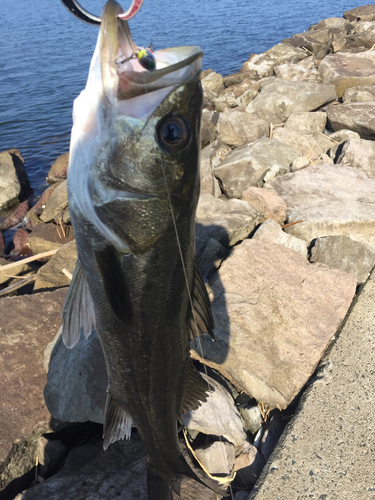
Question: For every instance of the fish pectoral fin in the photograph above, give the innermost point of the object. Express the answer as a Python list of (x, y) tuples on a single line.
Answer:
[(195, 392), (78, 309), (114, 282), (201, 319), (117, 422)]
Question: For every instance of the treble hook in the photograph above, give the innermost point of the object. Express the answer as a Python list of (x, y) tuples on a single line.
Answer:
[(77, 10)]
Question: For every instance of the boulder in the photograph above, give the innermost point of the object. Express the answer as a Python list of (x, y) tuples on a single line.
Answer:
[(211, 258), (275, 314), (345, 70), (363, 93), (211, 156), (217, 457), (282, 98), (359, 153), (10, 186), (297, 73), (237, 128), (77, 381), (279, 54), (16, 216), (310, 146), (346, 254), (226, 221), (317, 42), (248, 465), (213, 82), (247, 165), (56, 204), (330, 200), (51, 274), (239, 77), (244, 99), (268, 202), (21, 244), (339, 138), (20, 270), (59, 169), (252, 418), (307, 123), (45, 237), (271, 232), (365, 13), (330, 22), (208, 126), (358, 116), (28, 323), (218, 416)]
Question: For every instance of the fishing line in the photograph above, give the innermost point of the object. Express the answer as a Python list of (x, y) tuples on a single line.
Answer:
[(189, 292)]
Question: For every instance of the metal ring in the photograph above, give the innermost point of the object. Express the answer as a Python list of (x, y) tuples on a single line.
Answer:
[(78, 11)]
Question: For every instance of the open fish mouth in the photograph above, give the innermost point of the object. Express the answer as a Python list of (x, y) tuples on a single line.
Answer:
[(129, 71)]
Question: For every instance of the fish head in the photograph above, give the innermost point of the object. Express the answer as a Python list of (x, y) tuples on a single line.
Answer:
[(136, 138)]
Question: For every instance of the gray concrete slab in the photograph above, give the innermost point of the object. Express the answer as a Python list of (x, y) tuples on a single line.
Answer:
[(327, 451)]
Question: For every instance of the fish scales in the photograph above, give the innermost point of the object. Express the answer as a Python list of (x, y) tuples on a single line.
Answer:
[(133, 187)]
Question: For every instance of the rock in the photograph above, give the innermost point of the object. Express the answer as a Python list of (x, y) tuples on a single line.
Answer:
[(220, 103), (210, 156), (272, 327), (363, 93), (57, 202), (49, 452), (20, 270), (45, 237), (211, 258), (217, 457), (238, 90), (19, 165), (59, 169), (91, 473), (300, 162), (247, 165), (28, 323), (16, 216), (363, 35), (331, 200), (346, 254), (40, 204), (359, 153), (213, 82), (239, 77), (226, 221), (310, 146), (245, 98), (77, 381), (10, 186), (248, 465), (279, 54), (218, 416), (365, 13), (359, 117), (268, 202), (208, 126), (51, 274), (297, 73), (318, 42), (271, 232), (307, 123), (66, 217), (2, 244), (252, 418), (330, 22), (237, 128), (339, 138), (282, 98), (208, 96), (345, 70), (21, 243)]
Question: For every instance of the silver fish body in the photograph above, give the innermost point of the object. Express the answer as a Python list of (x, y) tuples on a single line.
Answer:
[(133, 184)]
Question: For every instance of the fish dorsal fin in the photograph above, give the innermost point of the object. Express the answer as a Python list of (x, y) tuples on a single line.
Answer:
[(201, 320), (195, 392), (117, 422), (78, 309), (115, 286)]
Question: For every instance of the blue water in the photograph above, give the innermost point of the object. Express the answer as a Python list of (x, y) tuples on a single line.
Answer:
[(45, 54)]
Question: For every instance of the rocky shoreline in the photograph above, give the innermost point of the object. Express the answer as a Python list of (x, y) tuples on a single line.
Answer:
[(285, 237)]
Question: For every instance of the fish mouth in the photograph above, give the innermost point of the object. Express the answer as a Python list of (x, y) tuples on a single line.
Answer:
[(123, 75)]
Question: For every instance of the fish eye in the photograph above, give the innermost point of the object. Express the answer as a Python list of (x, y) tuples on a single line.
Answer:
[(173, 134)]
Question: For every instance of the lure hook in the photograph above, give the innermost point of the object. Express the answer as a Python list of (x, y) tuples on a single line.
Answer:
[(78, 11)]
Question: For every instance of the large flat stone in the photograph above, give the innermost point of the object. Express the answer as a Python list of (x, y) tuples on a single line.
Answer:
[(330, 200), (28, 323), (345, 70), (310, 146), (247, 165), (275, 315), (359, 153), (364, 13), (57, 203), (237, 128), (268, 202), (357, 116), (282, 97), (51, 275), (327, 450)]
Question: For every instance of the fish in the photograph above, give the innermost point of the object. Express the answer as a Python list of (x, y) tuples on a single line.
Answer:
[(133, 189)]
